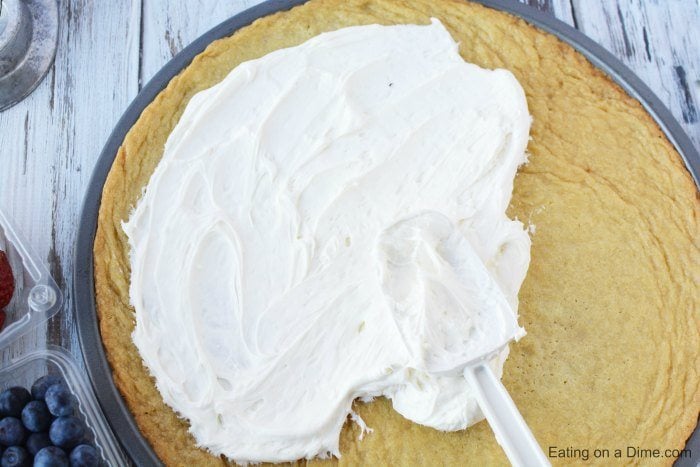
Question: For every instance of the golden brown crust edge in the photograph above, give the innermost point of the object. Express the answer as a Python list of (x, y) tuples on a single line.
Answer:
[(609, 303)]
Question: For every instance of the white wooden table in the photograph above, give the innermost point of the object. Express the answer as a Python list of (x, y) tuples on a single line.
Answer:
[(108, 50)]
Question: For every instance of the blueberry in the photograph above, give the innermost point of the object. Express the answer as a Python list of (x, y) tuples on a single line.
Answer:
[(59, 400), (84, 455), (36, 416), (12, 432), (37, 441), (42, 384), (13, 400), (51, 456), (66, 432), (16, 456)]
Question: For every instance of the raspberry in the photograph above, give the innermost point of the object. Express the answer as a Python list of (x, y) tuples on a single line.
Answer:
[(7, 281)]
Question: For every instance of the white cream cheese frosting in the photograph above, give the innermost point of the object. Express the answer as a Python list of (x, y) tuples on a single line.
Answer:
[(319, 222)]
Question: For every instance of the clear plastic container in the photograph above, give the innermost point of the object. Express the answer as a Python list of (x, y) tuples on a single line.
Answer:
[(36, 297), (24, 370)]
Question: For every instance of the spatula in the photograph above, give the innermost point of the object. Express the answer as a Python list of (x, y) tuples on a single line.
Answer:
[(454, 319), (511, 431)]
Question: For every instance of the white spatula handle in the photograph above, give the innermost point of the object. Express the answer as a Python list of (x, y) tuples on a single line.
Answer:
[(511, 431)]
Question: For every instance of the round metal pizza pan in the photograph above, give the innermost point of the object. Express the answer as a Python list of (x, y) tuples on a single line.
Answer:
[(114, 407)]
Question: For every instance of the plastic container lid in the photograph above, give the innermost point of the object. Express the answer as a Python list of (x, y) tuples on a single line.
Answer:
[(36, 297)]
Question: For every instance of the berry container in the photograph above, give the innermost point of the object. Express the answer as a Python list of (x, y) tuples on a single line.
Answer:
[(24, 370), (35, 299)]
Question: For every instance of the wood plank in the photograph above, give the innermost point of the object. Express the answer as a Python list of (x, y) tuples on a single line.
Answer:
[(50, 141), (169, 26), (658, 41)]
